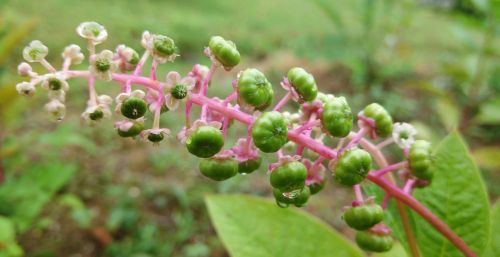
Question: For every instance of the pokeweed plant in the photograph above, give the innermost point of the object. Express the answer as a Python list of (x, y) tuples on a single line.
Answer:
[(294, 177)]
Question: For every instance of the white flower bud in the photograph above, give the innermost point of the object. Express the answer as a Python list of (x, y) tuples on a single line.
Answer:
[(35, 51), (403, 134), (59, 95), (93, 31), (24, 69), (56, 109), (25, 88), (74, 53)]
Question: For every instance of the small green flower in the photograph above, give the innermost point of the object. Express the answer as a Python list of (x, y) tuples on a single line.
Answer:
[(102, 65), (161, 47), (35, 51), (92, 31)]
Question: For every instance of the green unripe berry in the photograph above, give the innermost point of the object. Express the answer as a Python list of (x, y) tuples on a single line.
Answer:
[(179, 91), (302, 197), (289, 176), (218, 169), (382, 119), (155, 138), (205, 142), (102, 65), (372, 242), (132, 131), (352, 167), (363, 217), (96, 115), (337, 117), (421, 160), (249, 166), (164, 45), (304, 83), (254, 89), (282, 200), (54, 84), (133, 107), (270, 132), (225, 51), (314, 188)]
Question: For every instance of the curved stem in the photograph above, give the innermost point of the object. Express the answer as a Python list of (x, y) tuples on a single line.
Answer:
[(325, 151), (405, 220)]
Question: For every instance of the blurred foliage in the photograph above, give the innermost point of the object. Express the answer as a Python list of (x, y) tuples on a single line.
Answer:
[(431, 62)]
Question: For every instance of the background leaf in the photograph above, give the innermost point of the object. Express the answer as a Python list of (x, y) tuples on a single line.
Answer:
[(250, 227), (458, 196), (487, 157), (494, 246), (8, 244)]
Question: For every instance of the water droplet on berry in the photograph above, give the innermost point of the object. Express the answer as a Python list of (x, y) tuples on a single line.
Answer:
[(292, 194)]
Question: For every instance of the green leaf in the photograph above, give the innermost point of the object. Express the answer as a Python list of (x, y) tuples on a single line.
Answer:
[(494, 246), (448, 112), (396, 251), (253, 227), (487, 157), (488, 113), (8, 244), (457, 195), (23, 198)]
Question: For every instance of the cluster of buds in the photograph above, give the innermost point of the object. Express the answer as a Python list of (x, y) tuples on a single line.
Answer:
[(297, 139)]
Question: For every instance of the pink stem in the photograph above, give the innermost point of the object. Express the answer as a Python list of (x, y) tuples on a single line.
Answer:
[(385, 143), (389, 168), (189, 104), (385, 201), (204, 84), (137, 71), (92, 92), (318, 147), (47, 66), (154, 67), (355, 139), (283, 101), (424, 212), (358, 193), (409, 186)]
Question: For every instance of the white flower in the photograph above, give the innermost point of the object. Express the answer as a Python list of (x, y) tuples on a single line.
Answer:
[(127, 57), (55, 82), (56, 109), (403, 134), (74, 53), (96, 112), (59, 95), (291, 118), (92, 31), (25, 70), (179, 88), (185, 132), (35, 51), (155, 135), (25, 88), (162, 48), (102, 65), (120, 98)]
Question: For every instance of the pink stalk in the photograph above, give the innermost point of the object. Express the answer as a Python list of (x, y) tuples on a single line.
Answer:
[(92, 92), (385, 143), (358, 193), (326, 152), (154, 67), (204, 84), (137, 71), (355, 139), (47, 66), (66, 64), (389, 168), (283, 101), (409, 186), (385, 201)]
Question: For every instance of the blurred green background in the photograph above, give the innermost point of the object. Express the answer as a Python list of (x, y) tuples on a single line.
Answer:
[(69, 190)]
